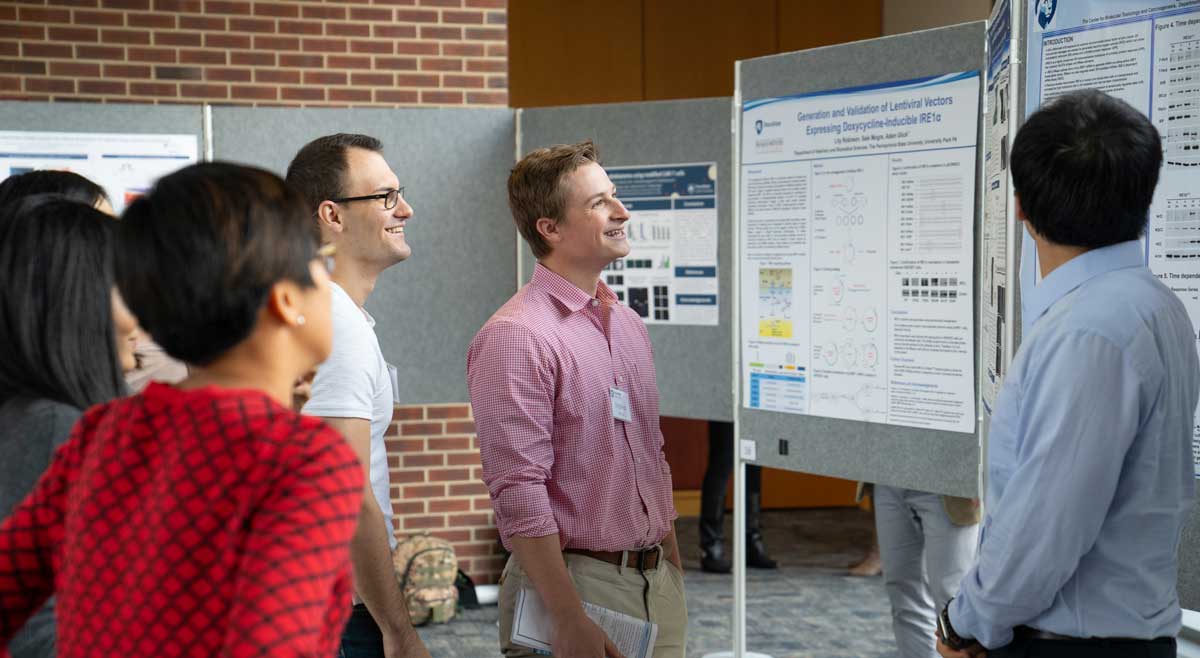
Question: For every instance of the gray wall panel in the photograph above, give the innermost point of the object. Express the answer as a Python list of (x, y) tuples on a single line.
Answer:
[(454, 163), (927, 460), (102, 118), (694, 363)]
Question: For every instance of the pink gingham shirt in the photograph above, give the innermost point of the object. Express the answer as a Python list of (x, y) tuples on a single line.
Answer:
[(555, 460)]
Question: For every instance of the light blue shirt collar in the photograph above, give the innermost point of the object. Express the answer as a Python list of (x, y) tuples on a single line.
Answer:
[(1077, 271)]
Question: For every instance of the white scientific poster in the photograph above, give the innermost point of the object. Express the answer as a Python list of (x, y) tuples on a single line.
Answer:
[(996, 196), (125, 165), (1147, 54), (857, 240), (670, 274)]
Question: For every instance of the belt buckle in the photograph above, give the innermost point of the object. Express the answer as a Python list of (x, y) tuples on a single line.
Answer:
[(651, 550)]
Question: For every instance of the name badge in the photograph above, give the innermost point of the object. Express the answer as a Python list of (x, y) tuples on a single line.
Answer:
[(394, 376), (620, 404)]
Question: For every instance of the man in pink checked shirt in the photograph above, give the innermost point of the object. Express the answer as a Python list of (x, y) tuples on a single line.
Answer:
[(566, 405)]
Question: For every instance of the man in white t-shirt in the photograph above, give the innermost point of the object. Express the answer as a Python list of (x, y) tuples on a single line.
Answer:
[(358, 206)]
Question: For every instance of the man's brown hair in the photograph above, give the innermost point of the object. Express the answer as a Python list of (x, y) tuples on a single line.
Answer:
[(319, 169), (536, 190)]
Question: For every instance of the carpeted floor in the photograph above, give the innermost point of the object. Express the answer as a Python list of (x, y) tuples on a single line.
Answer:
[(808, 608)]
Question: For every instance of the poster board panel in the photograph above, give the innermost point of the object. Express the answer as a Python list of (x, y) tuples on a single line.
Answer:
[(929, 460)]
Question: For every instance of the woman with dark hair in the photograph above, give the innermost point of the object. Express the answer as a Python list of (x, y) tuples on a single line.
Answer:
[(49, 181), (64, 338), (152, 363), (204, 518)]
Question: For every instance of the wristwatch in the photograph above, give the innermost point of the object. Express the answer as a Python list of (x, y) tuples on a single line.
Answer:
[(949, 637)]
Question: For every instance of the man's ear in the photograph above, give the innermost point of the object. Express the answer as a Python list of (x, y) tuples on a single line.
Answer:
[(329, 218), (548, 229), (1024, 219)]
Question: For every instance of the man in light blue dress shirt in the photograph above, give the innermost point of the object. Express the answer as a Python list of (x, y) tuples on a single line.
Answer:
[(1090, 471)]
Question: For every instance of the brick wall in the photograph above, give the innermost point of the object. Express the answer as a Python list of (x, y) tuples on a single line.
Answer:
[(256, 52), (433, 455)]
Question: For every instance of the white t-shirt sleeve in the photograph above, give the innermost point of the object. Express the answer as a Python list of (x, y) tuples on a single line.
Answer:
[(345, 384)]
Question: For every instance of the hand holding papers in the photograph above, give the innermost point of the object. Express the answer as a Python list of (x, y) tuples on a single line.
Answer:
[(532, 627)]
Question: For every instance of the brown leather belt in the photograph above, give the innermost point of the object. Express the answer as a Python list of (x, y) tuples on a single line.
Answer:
[(643, 560)]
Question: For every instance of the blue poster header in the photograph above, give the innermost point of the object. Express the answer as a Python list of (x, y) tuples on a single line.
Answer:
[(687, 180)]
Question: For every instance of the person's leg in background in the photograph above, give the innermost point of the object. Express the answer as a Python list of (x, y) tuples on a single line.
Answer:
[(869, 565), (902, 550), (949, 548), (714, 558), (756, 549)]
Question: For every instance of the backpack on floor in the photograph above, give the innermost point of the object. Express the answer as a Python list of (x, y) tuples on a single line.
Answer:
[(426, 568)]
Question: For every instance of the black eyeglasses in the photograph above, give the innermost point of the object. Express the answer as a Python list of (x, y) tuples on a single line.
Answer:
[(390, 198)]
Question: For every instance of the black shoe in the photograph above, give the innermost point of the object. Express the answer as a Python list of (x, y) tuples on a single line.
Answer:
[(713, 560), (756, 553)]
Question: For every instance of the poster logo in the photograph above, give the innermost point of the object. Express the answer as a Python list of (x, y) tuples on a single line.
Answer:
[(1045, 12), (758, 126)]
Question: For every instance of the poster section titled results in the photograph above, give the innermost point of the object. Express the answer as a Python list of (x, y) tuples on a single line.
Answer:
[(670, 274), (857, 234), (124, 165), (1148, 56)]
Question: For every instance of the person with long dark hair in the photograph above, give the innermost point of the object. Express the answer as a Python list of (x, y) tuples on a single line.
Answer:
[(204, 518), (151, 362), (64, 340)]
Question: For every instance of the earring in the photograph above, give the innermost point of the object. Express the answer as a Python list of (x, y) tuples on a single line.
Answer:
[(300, 320)]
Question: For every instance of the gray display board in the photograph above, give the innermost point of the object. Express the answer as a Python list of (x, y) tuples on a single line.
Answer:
[(103, 118), (694, 363), (453, 164), (928, 460)]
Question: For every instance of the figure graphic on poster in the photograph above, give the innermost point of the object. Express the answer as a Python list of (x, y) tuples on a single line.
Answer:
[(639, 301), (868, 403), (848, 204), (775, 302)]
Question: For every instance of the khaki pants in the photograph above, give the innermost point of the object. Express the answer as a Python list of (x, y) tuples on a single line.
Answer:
[(606, 585)]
